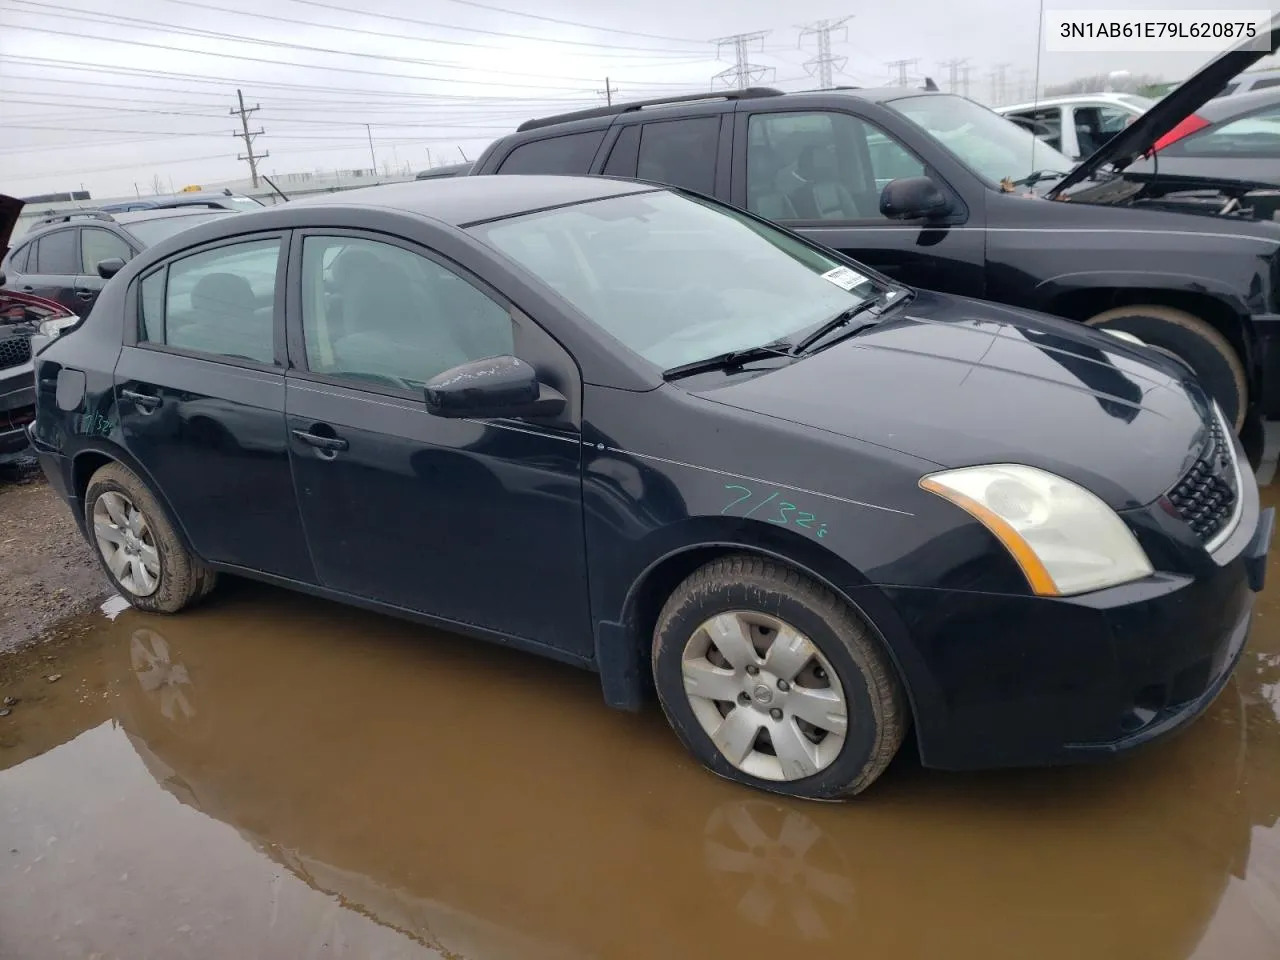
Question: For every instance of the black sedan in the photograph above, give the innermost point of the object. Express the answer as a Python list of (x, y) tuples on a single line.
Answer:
[(644, 433)]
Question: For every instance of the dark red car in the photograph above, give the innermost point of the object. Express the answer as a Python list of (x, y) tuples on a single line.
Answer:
[(22, 317)]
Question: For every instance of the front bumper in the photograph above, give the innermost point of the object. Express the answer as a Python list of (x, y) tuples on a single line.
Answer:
[(1014, 681), (17, 409)]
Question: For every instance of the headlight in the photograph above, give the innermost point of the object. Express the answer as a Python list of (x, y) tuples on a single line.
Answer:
[(51, 328), (1064, 538)]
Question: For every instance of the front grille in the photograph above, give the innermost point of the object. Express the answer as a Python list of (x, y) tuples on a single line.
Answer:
[(14, 351), (1206, 497)]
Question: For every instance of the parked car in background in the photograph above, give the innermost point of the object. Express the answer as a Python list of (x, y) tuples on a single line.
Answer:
[(444, 170), (195, 198), (23, 316), (1080, 124), (1229, 138), (940, 192), (1250, 82), (59, 257), (818, 506)]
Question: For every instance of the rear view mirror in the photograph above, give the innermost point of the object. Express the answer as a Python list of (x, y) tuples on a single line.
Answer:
[(503, 386), (110, 267), (913, 198)]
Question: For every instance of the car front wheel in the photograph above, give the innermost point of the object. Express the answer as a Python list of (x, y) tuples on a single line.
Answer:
[(771, 680), (137, 545)]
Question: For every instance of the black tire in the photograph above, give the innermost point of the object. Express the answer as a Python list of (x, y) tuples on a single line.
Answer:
[(1203, 348), (875, 702), (183, 577)]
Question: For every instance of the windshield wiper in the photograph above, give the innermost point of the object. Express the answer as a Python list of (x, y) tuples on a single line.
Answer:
[(1038, 176), (730, 360), (876, 306)]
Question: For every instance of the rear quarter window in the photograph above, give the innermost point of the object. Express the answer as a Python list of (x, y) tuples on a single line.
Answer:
[(569, 154)]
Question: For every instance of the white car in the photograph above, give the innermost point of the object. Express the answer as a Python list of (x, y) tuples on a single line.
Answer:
[(1250, 82), (1079, 124)]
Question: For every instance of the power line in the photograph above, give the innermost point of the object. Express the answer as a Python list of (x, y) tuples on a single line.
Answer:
[(824, 63), (567, 23), (953, 71), (743, 72), (249, 155), (902, 66)]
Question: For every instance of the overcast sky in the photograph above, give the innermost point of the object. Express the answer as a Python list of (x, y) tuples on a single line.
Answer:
[(113, 101)]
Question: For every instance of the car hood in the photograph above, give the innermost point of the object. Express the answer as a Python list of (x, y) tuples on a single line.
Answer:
[(961, 382), (10, 209), (1140, 136)]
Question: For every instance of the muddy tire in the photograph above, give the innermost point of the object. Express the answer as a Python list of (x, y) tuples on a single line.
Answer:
[(1202, 347), (137, 545), (771, 680)]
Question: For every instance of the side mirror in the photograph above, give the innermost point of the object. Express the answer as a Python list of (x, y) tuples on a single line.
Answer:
[(912, 198), (110, 267), (503, 386)]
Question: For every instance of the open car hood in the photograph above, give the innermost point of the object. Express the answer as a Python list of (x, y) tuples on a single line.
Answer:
[(10, 208), (1140, 136)]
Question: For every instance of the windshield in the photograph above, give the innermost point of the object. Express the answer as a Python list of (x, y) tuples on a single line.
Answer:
[(993, 146), (151, 232), (675, 279)]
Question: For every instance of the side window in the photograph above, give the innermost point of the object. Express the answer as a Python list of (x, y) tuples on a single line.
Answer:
[(1264, 84), (58, 254), (680, 152), (376, 313), (622, 158), (18, 262), (1096, 125), (97, 245), (1254, 135), (821, 166), (1045, 124), (220, 302), (569, 154)]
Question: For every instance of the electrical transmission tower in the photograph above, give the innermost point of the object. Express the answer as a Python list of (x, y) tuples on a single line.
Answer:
[(1023, 81), (964, 78), (824, 64), (998, 83), (253, 158), (953, 71), (902, 66), (608, 92), (743, 72)]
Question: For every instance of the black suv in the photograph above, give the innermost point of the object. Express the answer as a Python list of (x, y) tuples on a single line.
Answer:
[(58, 257), (942, 193)]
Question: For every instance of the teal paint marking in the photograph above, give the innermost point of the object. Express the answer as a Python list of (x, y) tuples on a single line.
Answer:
[(783, 512), (95, 425)]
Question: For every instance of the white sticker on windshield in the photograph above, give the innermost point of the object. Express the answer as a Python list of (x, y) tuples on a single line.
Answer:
[(844, 277)]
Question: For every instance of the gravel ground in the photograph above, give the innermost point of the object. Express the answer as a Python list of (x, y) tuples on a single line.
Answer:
[(48, 570)]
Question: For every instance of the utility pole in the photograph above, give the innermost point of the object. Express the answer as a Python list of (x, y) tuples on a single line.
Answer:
[(373, 157), (998, 83), (608, 92), (824, 64), (743, 71), (964, 78), (953, 71), (249, 155), (901, 66)]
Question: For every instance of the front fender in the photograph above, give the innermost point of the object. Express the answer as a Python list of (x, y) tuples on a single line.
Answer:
[(1052, 288)]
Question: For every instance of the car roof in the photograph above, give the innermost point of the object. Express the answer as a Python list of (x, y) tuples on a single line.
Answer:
[(1223, 108), (126, 217), (459, 201), (1118, 98)]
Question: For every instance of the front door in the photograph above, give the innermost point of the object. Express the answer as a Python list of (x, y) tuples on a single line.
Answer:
[(471, 521), (821, 173), (96, 245), (200, 394)]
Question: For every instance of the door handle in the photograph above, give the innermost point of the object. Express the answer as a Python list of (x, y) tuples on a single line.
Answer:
[(84, 294), (146, 401), (28, 289), (327, 444)]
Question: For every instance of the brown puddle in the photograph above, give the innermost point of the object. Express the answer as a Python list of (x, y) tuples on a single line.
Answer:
[(269, 776)]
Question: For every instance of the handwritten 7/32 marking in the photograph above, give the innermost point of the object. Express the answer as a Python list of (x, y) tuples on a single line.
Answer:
[(780, 511)]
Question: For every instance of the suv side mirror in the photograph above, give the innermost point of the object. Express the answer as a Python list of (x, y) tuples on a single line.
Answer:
[(503, 386), (913, 198), (110, 267)]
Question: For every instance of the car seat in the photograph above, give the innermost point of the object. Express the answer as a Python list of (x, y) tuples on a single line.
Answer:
[(823, 196)]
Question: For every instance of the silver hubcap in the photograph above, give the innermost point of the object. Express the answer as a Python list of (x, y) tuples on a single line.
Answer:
[(765, 695), (126, 544)]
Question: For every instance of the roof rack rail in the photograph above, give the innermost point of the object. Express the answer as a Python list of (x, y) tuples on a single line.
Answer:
[(750, 93), (66, 215)]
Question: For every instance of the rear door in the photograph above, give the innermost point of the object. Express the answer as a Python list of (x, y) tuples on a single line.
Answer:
[(820, 171), (200, 394), (96, 245), (52, 268)]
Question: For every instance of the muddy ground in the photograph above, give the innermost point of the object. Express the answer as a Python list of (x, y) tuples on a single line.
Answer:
[(49, 571)]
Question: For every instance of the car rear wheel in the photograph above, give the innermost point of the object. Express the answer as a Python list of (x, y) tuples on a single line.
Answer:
[(771, 680), (137, 545), (1208, 353)]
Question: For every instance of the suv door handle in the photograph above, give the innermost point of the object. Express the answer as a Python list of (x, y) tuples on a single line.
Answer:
[(145, 401), (84, 294), (329, 444)]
